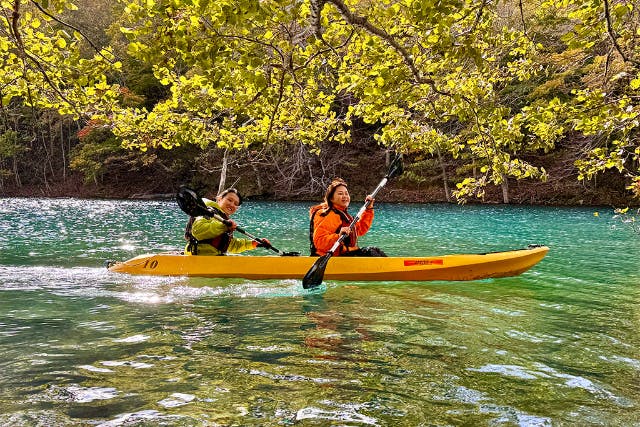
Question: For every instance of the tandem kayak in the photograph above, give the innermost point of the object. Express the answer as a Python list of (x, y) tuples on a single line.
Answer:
[(407, 268)]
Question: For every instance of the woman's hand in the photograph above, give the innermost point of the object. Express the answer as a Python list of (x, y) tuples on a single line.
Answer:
[(263, 243), (231, 224), (369, 198)]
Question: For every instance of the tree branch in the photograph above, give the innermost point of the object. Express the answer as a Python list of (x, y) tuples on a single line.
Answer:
[(316, 16), (72, 27), (15, 18), (361, 21), (524, 24), (612, 35), (277, 106)]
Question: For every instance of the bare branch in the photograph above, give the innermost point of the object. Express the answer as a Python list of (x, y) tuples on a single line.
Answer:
[(612, 35), (524, 24)]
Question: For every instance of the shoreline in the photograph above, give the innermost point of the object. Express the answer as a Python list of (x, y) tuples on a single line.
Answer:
[(521, 193), (171, 196)]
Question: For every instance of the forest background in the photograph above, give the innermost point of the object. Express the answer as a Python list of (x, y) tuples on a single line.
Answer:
[(531, 102)]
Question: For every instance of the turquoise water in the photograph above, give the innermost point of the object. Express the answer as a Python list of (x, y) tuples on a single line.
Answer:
[(557, 345)]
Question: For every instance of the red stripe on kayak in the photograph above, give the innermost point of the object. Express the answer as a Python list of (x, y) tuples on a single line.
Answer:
[(410, 262)]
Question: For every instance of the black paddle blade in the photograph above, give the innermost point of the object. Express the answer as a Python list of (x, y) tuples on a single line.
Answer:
[(315, 274), (191, 203)]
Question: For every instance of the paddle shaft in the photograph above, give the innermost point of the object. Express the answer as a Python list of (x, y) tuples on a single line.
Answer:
[(249, 235)]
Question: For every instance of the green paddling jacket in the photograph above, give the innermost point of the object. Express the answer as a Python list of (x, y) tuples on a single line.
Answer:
[(213, 236)]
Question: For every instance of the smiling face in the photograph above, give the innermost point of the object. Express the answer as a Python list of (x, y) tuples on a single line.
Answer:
[(341, 198), (229, 203)]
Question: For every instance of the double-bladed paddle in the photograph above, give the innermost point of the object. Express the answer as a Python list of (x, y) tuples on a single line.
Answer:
[(193, 205), (315, 274)]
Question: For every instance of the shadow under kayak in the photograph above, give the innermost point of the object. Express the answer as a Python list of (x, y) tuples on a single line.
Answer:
[(408, 268)]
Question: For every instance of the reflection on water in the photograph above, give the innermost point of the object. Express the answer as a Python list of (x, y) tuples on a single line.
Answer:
[(82, 346)]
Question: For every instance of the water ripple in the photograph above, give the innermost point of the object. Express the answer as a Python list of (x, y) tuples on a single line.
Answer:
[(82, 346), (345, 414)]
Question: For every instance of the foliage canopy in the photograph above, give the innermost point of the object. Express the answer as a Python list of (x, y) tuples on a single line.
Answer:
[(491, 83)]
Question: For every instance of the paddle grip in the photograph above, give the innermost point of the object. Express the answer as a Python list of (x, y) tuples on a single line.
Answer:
[(368, 202), (336, 245), (249, 235), (259, 240), (217, 217)]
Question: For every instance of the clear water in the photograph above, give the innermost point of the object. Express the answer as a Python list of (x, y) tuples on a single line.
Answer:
[(558, 345)]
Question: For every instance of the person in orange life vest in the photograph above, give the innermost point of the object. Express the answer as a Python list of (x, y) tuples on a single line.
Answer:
[(208, 236), (330, 219)]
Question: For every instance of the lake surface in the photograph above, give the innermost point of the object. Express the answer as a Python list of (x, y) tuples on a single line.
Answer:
[(557, 345)]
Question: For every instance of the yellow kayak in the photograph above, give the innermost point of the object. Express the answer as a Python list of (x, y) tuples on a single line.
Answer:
[(446, 267)]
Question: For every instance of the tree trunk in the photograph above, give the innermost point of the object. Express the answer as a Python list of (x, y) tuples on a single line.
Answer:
[(223, 172), (16, 173), (505, 190), (62, 149), (447, 191), (259, 188)]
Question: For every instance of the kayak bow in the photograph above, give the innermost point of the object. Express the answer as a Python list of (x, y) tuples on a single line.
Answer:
[(446, 267)]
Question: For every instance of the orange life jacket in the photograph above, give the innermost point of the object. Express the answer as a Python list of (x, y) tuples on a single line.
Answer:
[(329, 221)]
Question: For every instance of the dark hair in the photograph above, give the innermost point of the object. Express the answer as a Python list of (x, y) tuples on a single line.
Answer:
[(331, 189), (231, 190)]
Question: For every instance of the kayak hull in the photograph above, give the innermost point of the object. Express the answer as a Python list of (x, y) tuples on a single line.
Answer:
[(447, 267)]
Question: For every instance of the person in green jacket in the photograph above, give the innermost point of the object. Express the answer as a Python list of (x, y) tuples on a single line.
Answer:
[(208, 236)]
